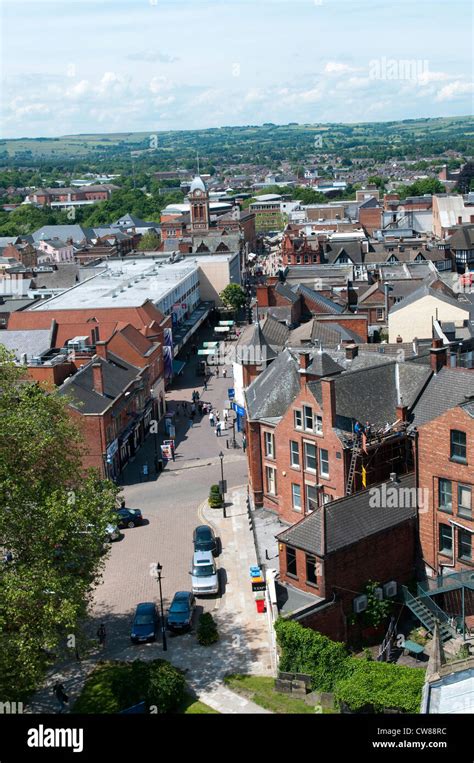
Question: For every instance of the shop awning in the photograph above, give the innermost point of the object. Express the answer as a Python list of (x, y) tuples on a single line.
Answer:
[(178, 366)]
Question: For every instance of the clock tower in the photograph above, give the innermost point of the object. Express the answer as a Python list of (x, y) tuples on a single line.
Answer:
[(199, 204)]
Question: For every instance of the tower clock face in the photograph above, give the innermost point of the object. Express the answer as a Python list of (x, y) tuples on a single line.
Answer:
[(197, 193)]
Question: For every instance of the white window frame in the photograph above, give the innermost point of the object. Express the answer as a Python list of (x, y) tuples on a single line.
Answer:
[(306, 416), (318, 424), (298, 412), (294, 493), (310, 468), (292, 462), (269, 439), (324, 474), (308, 500), (271, 480)]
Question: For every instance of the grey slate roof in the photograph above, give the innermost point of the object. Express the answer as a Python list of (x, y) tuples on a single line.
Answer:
[(287, 292), (349, 520), (273, 391), (424, 291), (328, 334), (77, 232), (372, 393), (32, 342), (117, 375), (448, 388), (323, 365), (327, 305)]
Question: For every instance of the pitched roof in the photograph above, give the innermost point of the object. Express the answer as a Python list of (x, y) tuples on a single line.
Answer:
[(286, 292), (446, 389), (327, 305), (117, 375), (462, 238), (274, 390), (372, 393), (424, 291), (349, 520)]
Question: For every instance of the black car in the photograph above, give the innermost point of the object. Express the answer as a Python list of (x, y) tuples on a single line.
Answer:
[(129, 517), (145, 623), (204, 539), (180, 614)]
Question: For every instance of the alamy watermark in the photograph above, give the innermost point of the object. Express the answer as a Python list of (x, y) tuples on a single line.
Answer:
[(389, 496), (398, 68)]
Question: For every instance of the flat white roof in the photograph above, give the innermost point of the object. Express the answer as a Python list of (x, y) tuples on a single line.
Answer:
[(129, 283), (123, 283)]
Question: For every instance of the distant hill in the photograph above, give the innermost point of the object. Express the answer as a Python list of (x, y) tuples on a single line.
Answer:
[(268, 143)]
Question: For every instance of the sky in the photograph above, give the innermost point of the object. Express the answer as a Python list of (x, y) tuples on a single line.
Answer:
[(95, 66)]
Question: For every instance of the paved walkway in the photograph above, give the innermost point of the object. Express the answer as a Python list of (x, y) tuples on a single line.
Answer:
[(244, 645)]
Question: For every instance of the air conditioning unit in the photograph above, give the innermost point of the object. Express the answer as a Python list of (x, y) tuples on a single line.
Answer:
[(360, 604), (390, 589), (378, 593)]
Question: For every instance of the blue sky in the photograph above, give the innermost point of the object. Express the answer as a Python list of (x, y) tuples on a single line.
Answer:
[(75, 66)]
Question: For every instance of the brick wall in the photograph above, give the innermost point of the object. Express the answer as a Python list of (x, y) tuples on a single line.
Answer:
[(434, 463)]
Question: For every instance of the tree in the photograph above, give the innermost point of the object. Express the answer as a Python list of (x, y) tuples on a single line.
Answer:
[(53, 521), (233, 296), (149, 242)]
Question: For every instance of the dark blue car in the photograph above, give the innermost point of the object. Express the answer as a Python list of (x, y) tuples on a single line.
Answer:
[(180, 614), (145, 623)]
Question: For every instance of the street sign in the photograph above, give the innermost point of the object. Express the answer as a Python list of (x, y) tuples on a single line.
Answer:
[(231, 393), (238, 409), (222, 486)]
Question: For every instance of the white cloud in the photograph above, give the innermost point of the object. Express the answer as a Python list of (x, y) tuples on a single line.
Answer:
[(335, 67), (454, 90)]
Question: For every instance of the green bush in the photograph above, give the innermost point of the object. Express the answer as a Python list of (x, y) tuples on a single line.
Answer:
[(380, 685), (166, 687), (115, 686), (307, 651), (207, 630), (215, 497)]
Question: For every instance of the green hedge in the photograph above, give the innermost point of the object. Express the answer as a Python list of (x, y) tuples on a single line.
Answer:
[(115, 686), (380, 685), (358, 683), (307, 651)]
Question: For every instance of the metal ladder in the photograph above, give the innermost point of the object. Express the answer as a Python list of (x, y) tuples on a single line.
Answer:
[(350, 476)]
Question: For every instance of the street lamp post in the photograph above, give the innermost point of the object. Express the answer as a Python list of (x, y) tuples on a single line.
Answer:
[(221, 456), (159, 567)]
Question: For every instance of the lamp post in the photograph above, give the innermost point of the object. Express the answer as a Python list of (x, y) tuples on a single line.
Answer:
[(221, 456), (163, 629)]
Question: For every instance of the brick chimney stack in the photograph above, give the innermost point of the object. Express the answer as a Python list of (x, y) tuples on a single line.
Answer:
[(263, 296), (305, 360), (438, 355), (98, 378), (352, 351), (101, 349), (328, 391)]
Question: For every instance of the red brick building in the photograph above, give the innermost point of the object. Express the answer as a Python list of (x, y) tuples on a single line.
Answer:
[(300, 431), (446, 476), (299, 249), (334, 552)]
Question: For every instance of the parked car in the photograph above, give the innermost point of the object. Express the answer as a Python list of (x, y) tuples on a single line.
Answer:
[(180, 614), (204, 577), (145, 623), (111, 533), (129, 517), (204, 539)]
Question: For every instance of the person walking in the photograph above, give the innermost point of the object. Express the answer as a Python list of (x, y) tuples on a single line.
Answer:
[(218, 418), (225, 414), (218, 429), (224, 372), (205, 383), (211, 419), (101, 634), (200, 408), (61, 696), (244, 443), (217, 372), (193, 409)]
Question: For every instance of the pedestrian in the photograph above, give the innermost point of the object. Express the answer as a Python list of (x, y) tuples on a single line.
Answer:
[(218, 429), (205, 383), (217, 372), (225, 414), (211, 419), (218, 418), (122, 503), (197, 396), (224, 372), (244, 442), (101, 634), (200, 408), (61, 696)]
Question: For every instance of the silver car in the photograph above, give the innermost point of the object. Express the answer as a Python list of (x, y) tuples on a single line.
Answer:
[(204, 576)]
